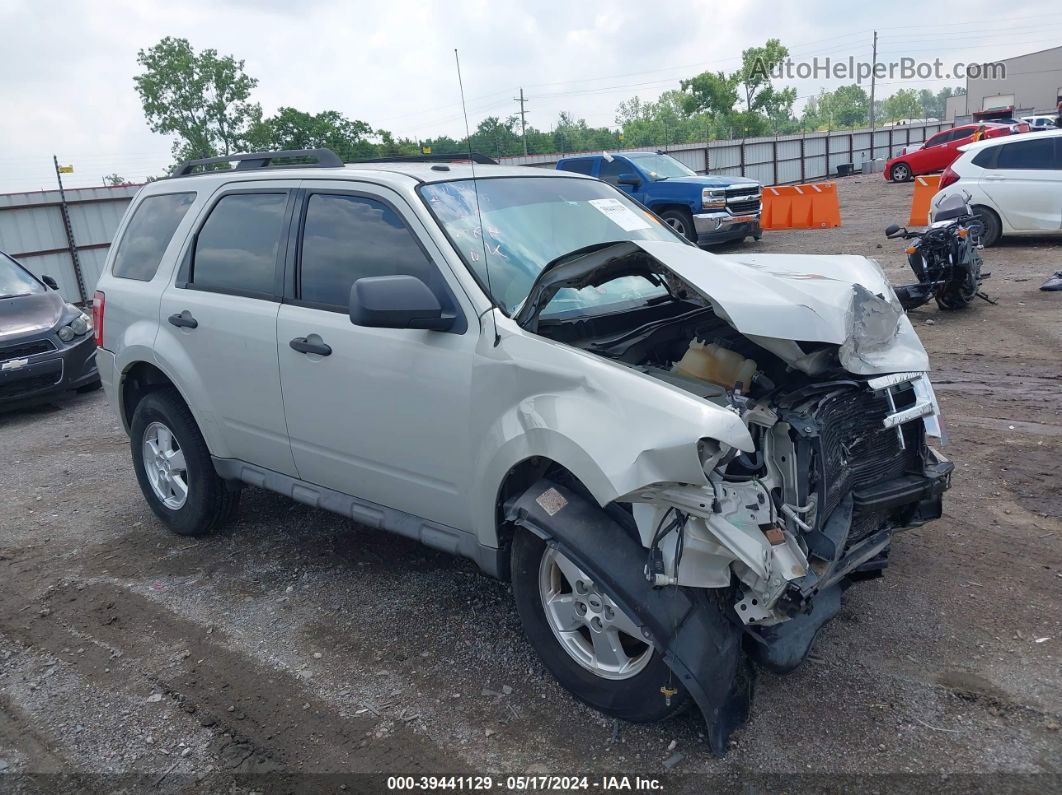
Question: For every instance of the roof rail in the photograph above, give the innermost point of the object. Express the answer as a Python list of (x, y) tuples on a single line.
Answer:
[(326, 158), (464, 157)]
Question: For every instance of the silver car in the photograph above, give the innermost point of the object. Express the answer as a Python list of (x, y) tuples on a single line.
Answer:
[(678, 459)]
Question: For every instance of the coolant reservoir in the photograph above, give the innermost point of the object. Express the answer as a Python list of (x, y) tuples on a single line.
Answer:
[(718, 365)]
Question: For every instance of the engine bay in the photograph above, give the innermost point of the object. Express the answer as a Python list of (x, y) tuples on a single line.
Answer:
[(839, 462)]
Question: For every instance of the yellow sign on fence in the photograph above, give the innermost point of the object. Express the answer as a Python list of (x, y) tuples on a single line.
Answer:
[(66, 169)]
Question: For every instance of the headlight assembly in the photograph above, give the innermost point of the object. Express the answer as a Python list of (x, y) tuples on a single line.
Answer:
[(713, 198), (78, 327)]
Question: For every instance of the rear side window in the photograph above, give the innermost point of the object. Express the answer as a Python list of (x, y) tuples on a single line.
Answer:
[(236, 249), (986, 158), (578, 166), (148, 233), (347, 237), (1038, 153)]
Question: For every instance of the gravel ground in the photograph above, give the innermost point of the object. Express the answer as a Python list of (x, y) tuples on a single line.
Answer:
[(297, 649)]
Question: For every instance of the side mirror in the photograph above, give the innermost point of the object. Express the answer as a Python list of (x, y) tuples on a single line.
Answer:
[(629, 179), (892, 230), (50, 282), (396, 302)]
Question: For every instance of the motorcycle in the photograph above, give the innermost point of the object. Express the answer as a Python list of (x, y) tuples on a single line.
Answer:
[(945, 257)]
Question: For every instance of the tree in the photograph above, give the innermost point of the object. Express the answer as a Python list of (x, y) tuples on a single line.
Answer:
[(766, 110), (296, 129), (710, 92), (934, 105), (115, 179), (847, 106), (903, 104), (754, 78), (199, 97)]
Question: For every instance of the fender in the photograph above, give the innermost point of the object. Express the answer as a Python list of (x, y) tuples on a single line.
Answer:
[(697, 639)]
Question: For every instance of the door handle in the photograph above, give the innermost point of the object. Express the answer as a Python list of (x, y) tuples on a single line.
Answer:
[(303, 345), (184, 320)]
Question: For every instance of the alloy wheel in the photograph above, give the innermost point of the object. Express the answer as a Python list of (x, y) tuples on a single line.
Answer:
[(590, 628), (165, 466), (677, 224)]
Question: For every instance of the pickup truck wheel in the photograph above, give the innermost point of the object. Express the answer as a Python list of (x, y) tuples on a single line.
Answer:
[(901, 172), (174, 469), (682, 222), (593, 649)]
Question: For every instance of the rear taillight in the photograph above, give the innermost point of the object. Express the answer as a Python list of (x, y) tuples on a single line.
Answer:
[(98, 301), (949, 177)]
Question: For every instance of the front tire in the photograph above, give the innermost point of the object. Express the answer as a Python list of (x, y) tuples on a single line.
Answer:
[(174, 469), (681, 221), (594, 650)]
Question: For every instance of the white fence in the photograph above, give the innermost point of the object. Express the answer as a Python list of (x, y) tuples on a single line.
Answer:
[(780, 160)]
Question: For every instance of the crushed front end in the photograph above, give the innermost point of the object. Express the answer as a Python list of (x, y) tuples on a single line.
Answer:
[(830, 381)]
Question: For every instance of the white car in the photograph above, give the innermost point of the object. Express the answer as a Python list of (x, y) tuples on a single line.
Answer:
[(669, 453), (1014, 184), (1037, 123)]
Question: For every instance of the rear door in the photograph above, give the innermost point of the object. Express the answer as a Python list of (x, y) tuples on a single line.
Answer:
[(217, 331), (1025, 183), (384, 414)]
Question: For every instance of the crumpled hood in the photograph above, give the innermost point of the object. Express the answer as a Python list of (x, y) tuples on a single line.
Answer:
[(844, 300), (25, 314)]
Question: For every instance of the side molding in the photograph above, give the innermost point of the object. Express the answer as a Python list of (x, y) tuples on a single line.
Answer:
[(431, 534)]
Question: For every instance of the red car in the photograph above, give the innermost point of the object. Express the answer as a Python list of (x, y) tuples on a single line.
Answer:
[(940, 151)]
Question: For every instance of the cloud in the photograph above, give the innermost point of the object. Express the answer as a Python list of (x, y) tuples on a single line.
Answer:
[(68, 67)]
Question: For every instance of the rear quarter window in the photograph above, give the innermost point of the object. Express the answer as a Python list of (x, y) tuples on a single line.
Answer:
[(1038, 153), (148, 233), (585, 166)]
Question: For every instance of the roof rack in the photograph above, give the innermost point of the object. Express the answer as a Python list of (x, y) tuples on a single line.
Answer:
[(462, 157), (326, 158)]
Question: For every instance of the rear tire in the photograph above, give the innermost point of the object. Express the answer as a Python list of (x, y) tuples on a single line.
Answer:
[(901, 172), (991, 226), (681, 221), (174, 469), (637, 695)]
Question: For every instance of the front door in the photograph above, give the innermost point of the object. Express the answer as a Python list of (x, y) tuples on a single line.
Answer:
[(611, 170), (218, 322), (384, 414)]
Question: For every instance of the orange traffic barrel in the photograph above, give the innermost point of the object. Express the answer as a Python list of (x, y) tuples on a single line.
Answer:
[(924, 190)]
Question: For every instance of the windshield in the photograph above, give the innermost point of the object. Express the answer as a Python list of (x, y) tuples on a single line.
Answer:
[(15, 280), (661, 166), (530, 221)]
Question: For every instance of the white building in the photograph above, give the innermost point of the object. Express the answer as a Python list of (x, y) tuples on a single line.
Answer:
[(1032, 84)]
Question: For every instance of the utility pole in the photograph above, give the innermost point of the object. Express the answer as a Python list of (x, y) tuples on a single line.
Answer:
[(523, 119), (873, 81), (72, 246)]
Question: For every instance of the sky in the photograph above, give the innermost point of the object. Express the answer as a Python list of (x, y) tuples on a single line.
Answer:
[(66, 68)]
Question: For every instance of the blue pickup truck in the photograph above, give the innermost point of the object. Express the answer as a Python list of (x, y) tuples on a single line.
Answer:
[(704, 209)]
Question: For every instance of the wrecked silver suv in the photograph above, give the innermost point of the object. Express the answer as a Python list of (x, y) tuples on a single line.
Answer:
[(679, 459)]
